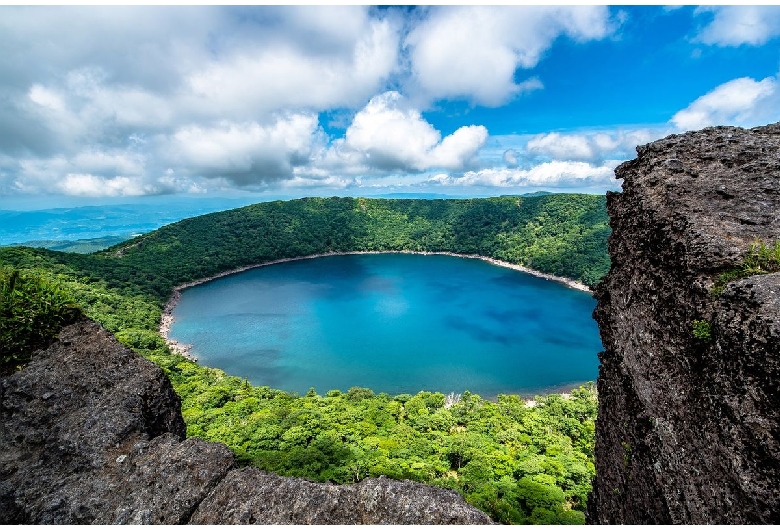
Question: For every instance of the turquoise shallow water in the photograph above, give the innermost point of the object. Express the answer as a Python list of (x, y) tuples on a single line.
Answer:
[(396, 323)]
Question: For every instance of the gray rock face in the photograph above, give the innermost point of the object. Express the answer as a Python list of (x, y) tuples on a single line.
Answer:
[(249, 496), (92, 433), (688, 430)]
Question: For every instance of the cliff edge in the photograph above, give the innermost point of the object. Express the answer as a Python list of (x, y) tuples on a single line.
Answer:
[(90, 432), (688, 429)]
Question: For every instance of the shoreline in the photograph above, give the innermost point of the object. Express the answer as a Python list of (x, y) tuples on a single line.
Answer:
[(166, 319)]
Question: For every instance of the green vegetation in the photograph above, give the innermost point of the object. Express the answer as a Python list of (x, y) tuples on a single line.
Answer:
[(626, 453), (32, 311), (519, 464), (762, 259), (702, 331), (80, 246), (522, 464)]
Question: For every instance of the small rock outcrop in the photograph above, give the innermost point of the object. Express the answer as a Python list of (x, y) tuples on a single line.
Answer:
[(90, 432), (688, 428)]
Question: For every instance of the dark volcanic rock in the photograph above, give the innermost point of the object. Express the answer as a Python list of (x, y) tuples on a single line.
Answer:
[(92, 433), (252, 496), (688, 430)]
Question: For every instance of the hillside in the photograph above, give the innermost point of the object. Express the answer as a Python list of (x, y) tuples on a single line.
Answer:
[(564, 235), (518, 464)]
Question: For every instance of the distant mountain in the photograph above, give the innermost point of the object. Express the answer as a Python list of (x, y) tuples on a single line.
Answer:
[(536, 194), (79, 246), (415, 196), (93, 222)]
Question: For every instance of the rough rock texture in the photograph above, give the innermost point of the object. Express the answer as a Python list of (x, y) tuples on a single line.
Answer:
[(251, 496), (92, 433), (688, 429)]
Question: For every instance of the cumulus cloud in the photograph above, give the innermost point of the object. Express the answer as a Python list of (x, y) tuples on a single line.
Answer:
[(556, 145), (473, 52), (737, 25), (548, 174), (88, 173), (244, 153), (262, 80), (248, 77), (388, 134), (199, 90), (510, 158), (144, 100), (84, 109), (743, 102), (595, 147), (86, 185)]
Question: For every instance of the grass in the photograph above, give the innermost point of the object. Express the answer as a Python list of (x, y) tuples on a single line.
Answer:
[(761, 259)]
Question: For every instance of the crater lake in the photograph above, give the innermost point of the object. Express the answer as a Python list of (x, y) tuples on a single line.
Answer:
[(395, 323)]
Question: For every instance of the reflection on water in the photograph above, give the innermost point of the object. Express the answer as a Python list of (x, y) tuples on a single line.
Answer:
[(394, 323)]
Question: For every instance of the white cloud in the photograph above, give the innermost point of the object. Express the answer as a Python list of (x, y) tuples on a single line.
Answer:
[(46, 98), (244, 153), (548, 174), (593, 147), (92, 74), (458, 148), (198, 90), (743, 102), (568, 147), (97, 174), (129, 101), (263, 79), (89, 173), (310, 182), (102, 163), (86, 185), (388, 134), (84, 108), (473, 52), (737, 25)]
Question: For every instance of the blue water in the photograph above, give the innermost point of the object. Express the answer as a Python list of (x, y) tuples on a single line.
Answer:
[(395, 323)]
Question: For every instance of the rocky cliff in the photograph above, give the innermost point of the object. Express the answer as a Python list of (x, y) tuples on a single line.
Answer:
[(92, 433), (687, 430)]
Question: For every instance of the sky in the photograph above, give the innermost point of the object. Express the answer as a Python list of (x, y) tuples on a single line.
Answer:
[(107, 104)]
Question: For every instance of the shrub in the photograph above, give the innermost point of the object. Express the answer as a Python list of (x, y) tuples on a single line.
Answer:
[(32, 311), (702, 331)]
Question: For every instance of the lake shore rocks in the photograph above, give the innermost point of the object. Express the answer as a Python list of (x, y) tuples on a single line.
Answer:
[(90, 432)]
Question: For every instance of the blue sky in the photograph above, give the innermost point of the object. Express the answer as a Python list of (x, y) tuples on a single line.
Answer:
[(102, 104)]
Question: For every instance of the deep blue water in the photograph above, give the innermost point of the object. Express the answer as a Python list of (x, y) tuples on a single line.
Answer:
[(395, 323)]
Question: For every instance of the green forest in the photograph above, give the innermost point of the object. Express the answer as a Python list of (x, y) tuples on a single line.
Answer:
[(518, 463)]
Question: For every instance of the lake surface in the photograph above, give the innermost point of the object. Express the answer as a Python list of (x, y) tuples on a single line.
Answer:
[(395, 323)]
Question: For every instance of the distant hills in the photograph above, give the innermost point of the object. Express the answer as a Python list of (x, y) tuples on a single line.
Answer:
[(47, 227), (561, 234), (78, 246), (86, 229)]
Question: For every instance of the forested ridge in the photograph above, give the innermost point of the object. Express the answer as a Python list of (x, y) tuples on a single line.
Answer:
[(518, 463)]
